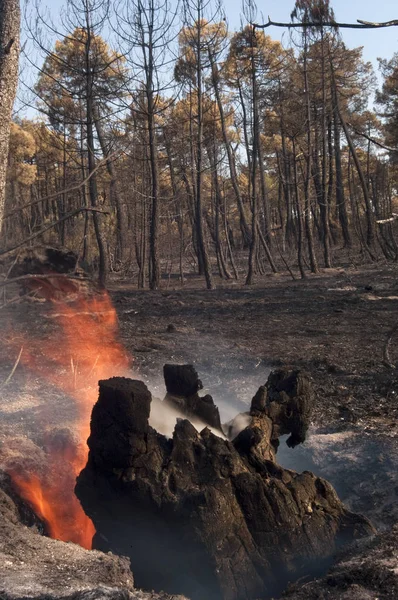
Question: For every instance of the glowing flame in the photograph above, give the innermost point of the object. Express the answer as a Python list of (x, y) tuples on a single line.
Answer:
[(85, 350)]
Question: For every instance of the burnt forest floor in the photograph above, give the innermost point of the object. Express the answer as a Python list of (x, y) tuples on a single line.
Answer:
[(335, 326)]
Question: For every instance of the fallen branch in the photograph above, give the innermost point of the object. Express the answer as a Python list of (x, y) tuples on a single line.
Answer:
[(285, 262), (394, 217), (386, 353), (14, 300), (51, 225), (13, 369)]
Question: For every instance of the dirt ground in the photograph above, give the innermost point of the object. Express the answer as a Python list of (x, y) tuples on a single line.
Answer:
[(335, 326)]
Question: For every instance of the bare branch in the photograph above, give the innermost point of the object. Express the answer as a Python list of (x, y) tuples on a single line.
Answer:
[(373, 141), (13, 369), (393, 217), (359, 25)]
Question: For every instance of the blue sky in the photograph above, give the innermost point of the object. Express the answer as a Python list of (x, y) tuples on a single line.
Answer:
[(382, 42), (376, 43)]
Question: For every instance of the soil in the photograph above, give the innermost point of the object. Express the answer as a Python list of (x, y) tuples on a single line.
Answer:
[(335, 326)]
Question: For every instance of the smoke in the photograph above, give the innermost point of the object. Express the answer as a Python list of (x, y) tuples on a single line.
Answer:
[(232, 378), (163, 418), (236, 425)]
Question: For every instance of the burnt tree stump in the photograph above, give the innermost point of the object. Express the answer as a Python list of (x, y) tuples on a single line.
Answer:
[(199, 515)]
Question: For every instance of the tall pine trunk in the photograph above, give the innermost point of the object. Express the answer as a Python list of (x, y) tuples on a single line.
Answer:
[(9, 57)]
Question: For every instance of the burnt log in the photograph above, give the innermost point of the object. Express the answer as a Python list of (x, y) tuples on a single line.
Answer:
[(43, 260), (53, 268), (199, 515)]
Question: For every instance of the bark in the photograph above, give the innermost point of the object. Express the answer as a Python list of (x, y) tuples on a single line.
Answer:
[(178, 204), (9, 59), (228, 241), (218, 208), (317, 172), (330, 188)]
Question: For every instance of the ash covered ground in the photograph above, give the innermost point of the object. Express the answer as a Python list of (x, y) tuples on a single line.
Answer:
[(334, 326)]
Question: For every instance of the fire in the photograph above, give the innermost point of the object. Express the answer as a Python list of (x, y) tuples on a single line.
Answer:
[(83, 350)]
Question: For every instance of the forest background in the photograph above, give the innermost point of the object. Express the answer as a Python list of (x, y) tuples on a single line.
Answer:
[(158, 141)]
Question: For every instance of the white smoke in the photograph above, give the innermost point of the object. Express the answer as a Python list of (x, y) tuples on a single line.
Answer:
[(164, 417)]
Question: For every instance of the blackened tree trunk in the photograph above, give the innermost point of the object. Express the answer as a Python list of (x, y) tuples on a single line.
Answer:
[(154, 279), (299, 216), (93, 189), (146, 20), (254, 200), (340, 198), (263, 188), (285, 171), (324, 206), (218, 208), (9, 58), (307, 208)]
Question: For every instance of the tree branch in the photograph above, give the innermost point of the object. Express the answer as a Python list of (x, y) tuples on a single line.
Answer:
[(359, 25), (7, 48), (393, 217), (370, 139)]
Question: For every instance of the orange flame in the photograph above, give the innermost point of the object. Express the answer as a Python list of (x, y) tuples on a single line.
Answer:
[(76, 357)]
